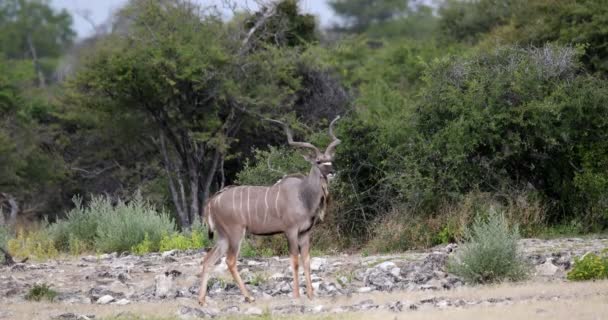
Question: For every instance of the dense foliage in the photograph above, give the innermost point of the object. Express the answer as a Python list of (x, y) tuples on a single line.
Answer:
[(447, 112), (590, 267)]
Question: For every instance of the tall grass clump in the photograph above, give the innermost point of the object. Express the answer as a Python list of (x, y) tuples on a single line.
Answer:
[(125, 225), (490, 252), (104, 226), (77, 232), (4, 236)]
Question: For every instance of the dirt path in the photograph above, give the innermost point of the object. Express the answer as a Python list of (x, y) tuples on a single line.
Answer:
[(530, 300), (412, 285)]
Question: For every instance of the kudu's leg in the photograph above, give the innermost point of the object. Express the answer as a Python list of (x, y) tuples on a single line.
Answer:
[(234, 247), (292, 240), (208, 262), (304, 243)]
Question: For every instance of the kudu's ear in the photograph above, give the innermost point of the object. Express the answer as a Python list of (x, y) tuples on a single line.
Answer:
[(309, 157)]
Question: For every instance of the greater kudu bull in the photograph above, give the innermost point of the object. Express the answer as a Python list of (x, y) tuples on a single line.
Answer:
[(291, 206)]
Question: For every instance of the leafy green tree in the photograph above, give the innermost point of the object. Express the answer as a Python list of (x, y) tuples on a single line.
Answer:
[(193, 85), (359, 15), (467, 20), (31, 29)]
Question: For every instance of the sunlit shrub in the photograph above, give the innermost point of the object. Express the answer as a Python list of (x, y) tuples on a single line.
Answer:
[(490, 252), (125, 225), (33, 244), (590, 267)]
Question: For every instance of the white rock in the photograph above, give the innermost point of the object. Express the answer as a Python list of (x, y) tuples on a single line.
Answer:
[(547, 269), (222, 267), (386, 266), (169, 253), (254, 311), (317, 309), (164, 285), (316, 285), (122, 302), (105, 299), (365, 290), (317, 264), (396, 272), (253, 263), (277, 276)]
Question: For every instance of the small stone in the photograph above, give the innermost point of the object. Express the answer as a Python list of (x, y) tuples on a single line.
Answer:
[(318, 264), (254, 311), (186, 312), (164, 286), (396, 272), (231, 309), (105, 299), (386, 266), (396, 306), (65, 316), (547, 269), (169, 253), (253, 263), (317, 309), (122, 302), (365, 290)]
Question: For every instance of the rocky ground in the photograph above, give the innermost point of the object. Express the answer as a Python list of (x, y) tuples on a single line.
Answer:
[(167, 284)]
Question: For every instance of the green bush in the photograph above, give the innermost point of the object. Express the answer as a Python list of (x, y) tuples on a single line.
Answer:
[(590, 267), (107, 227), (36, 244), (490, 252), (77, 232), (126, 224), (4, 237), (41, 292)]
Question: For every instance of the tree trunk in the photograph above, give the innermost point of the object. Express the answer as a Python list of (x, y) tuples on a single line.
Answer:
[(39, 73), (169, 166), (14, 207)]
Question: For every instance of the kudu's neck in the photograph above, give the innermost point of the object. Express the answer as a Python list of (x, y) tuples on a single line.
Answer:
[(315, 176)]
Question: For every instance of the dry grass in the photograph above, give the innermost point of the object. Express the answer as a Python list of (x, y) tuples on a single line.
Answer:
[(558, 300)]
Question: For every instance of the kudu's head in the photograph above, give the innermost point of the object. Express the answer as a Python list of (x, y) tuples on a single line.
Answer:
[(322, 160)]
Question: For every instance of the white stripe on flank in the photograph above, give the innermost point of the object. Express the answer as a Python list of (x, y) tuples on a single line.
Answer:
[(256, 207), (276, 201), (217, 200), (233, 195), (241, 200), (266, 203), (248, 213)]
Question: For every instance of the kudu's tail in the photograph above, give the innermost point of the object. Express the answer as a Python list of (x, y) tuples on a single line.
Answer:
[(208, 219)]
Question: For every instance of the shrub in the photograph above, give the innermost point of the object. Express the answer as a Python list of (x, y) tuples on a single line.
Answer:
[(76, 233), (490, 253), (125, 225), (182, 241), (590, 267), (4, 237), (250, 250), (36, 244), (41, 292), (145, 246)]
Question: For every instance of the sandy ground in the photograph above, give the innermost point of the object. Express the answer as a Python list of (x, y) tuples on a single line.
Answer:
[(529, 300)]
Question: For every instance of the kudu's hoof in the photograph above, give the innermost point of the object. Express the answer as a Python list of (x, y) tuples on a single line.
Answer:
[(201, 302), (249, 299)]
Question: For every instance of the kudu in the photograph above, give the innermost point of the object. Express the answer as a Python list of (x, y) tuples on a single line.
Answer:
[(291, 206)]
